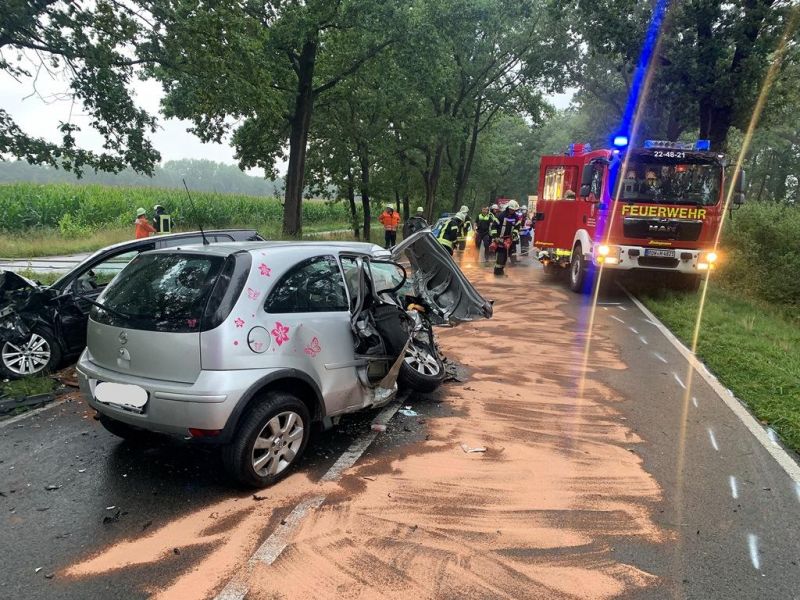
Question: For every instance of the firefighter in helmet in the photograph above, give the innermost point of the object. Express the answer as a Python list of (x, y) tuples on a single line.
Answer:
[(506, 228), (415, 223), (451, 231), (162, 221)]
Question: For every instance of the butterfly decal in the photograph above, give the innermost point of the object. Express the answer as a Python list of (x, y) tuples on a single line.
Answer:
[(280, 333), (253, 294), (313, 348)]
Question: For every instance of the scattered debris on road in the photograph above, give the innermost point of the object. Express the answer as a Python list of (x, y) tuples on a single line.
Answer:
[(378, 427), (469, 450), (52, 487)]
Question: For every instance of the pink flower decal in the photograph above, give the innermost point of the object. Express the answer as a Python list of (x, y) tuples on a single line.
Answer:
[(313, 348), (239, 323), (253, 294), (257, 346), (192, 323), (235, 343), (264, 270), (280, 333)]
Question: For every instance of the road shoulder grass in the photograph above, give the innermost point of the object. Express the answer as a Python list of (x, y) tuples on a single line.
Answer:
[(753, 348)]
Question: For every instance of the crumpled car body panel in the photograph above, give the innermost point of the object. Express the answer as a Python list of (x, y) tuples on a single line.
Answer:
[(438, 280)]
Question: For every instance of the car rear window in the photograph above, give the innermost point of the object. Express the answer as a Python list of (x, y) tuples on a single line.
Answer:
[(160, 292)]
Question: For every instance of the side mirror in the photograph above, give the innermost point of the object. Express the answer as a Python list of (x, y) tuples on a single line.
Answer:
[(739, 189), (741, 184), (585, 190), (539, 216)]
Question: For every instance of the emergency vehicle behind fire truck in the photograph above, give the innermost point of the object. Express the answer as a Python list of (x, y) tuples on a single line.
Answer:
[(665, 219)]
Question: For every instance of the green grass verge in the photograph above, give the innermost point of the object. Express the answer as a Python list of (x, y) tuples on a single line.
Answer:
[(753, 348), (28, 386)]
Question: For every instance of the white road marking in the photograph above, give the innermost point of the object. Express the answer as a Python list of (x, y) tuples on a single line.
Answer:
[(643, 340), (678, 379), (605, 308), (779, 454), (617, 319), (272, 547), (661, 358), (633, 329), (734, 488), (713, 439), (773, 437), (797, 489), (752, 543), (276, 543), (694, 401), (622, 308), (608, 303), (31, 413)]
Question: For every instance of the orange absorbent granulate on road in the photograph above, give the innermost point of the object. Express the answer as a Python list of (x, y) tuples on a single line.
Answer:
[(534, 516)]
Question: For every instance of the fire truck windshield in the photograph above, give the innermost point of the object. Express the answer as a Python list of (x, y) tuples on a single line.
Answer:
[(647, 180)]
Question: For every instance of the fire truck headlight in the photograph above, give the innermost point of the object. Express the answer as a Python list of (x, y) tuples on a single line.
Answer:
[(603, 250), (711, 257)]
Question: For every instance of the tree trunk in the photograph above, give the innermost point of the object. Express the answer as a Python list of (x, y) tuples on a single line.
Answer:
[(300, 122), (397, 202), (406, 207), (466, 156), (430, 179), (351, 198), (364, 161)]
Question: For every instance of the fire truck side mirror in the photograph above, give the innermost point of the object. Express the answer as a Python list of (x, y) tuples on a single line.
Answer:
[(738, 195), (585, 190), (539, 216)]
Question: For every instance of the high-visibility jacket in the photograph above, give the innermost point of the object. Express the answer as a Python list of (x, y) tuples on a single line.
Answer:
[(483, 223), (450, 232), (391, 221), (162, 223), (143, 228), (507, 224)]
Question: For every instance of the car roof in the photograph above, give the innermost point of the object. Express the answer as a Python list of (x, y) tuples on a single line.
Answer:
[(227, 248)]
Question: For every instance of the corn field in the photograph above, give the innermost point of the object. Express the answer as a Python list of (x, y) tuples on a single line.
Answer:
[(76, 208)]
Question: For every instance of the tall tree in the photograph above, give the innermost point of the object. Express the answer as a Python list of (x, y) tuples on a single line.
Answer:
[(90, 44), (258, 68)]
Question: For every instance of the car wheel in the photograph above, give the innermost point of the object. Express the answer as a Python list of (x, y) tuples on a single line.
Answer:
[(122, 430), (422, 370), (40, 353), (270, 438), (580, 276)]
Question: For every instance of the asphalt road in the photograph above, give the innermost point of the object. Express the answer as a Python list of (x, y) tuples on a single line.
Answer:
[(725, 510)]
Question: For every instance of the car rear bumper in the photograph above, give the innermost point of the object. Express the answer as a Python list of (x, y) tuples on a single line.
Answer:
[(628, 258), (172, 408)]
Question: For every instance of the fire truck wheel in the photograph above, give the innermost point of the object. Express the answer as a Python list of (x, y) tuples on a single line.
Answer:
[(580, 277)]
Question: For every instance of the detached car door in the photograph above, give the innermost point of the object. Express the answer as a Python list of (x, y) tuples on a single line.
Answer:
[(437, 279)]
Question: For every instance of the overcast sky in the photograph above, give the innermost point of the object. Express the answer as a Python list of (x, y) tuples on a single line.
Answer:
[(39, 115)]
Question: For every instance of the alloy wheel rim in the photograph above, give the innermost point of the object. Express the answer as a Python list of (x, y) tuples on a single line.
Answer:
[(576, 267), (28, 358), (422, 361), (277, 444)]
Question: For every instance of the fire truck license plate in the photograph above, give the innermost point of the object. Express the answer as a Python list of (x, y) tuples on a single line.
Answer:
[(660, 253)]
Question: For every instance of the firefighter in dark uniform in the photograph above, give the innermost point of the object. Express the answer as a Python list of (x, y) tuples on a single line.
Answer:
[(451, 231), (415, 223), (483, 225), (507, 226), (162, 221)]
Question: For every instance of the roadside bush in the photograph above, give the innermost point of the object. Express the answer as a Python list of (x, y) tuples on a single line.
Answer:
[(763, 252)]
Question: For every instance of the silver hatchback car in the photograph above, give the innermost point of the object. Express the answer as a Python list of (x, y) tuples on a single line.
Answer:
[(247, 344)]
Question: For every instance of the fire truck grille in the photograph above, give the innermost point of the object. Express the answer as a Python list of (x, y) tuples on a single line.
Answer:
[(658, 261), (662, 229)]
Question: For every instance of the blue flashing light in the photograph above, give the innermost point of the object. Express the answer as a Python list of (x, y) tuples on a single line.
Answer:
[(620, 141), (702, 145)]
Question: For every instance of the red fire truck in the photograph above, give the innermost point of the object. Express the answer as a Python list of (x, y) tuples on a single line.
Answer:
[(668, 209)]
